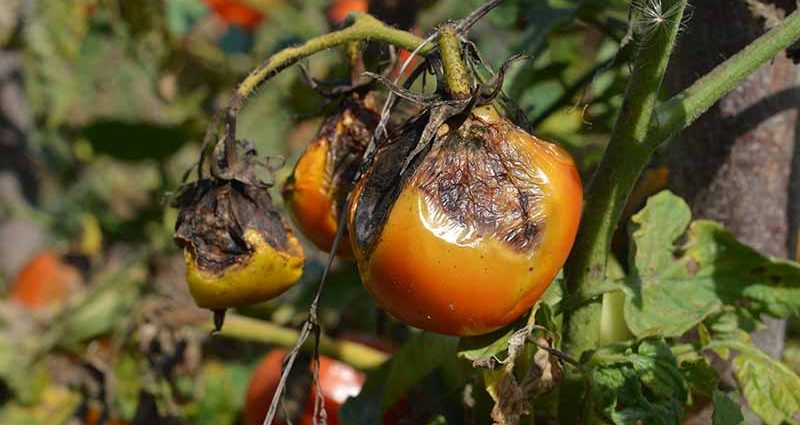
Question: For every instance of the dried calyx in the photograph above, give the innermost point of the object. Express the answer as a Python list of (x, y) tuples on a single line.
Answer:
[(238, 248), (455, 157)]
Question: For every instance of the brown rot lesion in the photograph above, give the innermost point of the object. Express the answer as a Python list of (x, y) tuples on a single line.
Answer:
[(213, 216)]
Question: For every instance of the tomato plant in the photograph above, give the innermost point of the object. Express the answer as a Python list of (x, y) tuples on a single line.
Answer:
[(508, 236), (316, 191)]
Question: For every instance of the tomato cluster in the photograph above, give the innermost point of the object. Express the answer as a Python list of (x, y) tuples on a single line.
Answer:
[(458, 219)]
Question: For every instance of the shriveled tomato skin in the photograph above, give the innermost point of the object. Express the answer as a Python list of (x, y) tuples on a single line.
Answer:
[(267, 274), (44, 281), (432, 273)]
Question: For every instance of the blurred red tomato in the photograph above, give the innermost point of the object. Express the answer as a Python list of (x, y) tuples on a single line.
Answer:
[(337, 380), (341, 8), (45, 280), (236, 12)]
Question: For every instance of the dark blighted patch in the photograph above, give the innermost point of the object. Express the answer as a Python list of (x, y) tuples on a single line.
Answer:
[(352, 132), (471, 174), (347, 133), (382, 183), (475, 178), (214, 215)]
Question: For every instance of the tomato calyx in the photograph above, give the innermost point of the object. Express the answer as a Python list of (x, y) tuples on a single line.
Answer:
[(396, 161)]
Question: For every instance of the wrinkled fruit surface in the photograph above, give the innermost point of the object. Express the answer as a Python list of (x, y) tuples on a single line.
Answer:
[(322, 176), (337, 381), (473, 232), (238, 249)]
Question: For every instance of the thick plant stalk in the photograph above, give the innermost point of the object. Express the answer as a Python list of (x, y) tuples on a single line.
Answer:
[(684, 108), (634, 139), (625, 157), (456, 76)]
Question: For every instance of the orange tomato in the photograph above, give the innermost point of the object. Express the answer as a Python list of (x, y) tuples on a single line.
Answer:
[(236, 12), (44, 281), (466, 241), (337, 381), (340, 9), (322, 176)]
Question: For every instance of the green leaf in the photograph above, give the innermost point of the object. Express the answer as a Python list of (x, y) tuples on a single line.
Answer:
[(223, 393), (134, 140), (112, 300), (726, 412), (771, 388), (638, 384), (677, 280), (701, 377), (415, 360)]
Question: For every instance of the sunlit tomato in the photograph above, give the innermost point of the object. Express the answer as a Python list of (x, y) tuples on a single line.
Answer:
[(323, 175), (238, 249), (337, 381), (236, 12), (340, 9), (44, 281), (474, 231)]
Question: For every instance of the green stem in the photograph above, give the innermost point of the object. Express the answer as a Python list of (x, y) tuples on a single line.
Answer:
[(456, 76), (625, 157), (640, 129), (357, 355), (683, 109), (364, 28)]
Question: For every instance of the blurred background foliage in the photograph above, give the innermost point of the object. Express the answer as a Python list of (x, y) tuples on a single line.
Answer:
[(114, 97)]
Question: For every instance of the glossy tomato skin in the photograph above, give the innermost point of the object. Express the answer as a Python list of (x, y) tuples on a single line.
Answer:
[(337, 380), (310, 200), (340, 9), (318, 186), (236, 12), (435, 265), (44, 281)]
